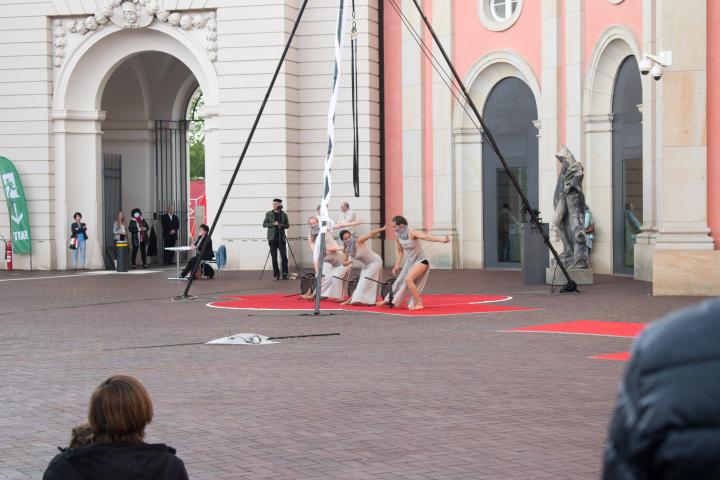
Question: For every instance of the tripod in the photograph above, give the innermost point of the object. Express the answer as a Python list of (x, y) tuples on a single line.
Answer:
[(281, 237)]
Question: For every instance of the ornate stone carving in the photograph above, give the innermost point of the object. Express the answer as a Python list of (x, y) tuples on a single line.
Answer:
[(59, 42), (133, 14)]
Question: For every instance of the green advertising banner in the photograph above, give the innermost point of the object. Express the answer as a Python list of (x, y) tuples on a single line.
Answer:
[(17, 207)]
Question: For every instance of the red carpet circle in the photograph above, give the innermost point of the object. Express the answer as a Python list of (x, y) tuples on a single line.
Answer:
[(435, 305)]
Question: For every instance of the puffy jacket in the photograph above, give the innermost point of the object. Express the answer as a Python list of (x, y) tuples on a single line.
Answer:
[(666, 424), (96, 462)]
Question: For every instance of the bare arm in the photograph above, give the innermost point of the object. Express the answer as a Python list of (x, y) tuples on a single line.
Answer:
[(371, 234), (430, 238)]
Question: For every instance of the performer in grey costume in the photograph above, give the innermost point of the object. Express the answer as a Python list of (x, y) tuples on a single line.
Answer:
[(415, 271), (366, 291), (333, 284)]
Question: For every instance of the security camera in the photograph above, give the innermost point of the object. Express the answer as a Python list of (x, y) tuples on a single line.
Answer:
[(653, 64), (656, 72), (645, 65)]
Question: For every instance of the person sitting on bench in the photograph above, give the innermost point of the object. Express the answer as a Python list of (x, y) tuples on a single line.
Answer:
[(208, 255)]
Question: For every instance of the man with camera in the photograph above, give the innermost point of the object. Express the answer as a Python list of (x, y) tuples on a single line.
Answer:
[(276, 221)]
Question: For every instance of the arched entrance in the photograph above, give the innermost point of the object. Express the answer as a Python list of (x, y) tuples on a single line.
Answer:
[(509, 113), (627, 164), (144, 143), (124, 93)]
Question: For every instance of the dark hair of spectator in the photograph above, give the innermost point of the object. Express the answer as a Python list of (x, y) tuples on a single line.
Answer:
[(134, 211), (120, 408), (343, 232), (399, 220), (76, 214), (81, 436), (205, 227)]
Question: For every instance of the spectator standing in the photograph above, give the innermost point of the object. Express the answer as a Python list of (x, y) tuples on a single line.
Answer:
[(119, 229), (347, 220), (78, 231), (170, 226), (138, 229)]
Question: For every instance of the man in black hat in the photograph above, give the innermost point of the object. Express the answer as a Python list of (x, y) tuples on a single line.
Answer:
[(276, 221)]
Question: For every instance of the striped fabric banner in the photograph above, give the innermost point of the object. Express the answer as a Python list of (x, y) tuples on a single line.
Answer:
[(325, 222)]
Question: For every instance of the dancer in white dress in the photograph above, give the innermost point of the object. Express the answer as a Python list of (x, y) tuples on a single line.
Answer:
[(366, 291), (333, 284), (415, 271)]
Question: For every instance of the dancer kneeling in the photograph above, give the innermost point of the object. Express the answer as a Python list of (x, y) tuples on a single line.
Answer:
[(333, 284), (415, 271), (366, 291)]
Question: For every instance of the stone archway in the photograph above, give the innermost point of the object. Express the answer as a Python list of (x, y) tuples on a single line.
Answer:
[(487, 72), (614, 46), (78, 117)]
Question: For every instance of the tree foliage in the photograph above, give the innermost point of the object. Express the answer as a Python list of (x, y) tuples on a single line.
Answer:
[(196, 136)]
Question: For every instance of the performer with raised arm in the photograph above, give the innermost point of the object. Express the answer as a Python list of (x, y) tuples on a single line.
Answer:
[(366, 291), (333, 284), (415, 271)]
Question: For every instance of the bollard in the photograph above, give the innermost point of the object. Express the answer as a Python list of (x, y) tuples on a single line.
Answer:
[(121, 255)]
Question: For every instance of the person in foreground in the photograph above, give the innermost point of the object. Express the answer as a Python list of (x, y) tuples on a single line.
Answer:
[(120, 409), (414, 273), (366, 292), (666, 424)]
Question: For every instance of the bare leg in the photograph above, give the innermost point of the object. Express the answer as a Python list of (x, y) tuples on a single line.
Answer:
[(417, 271)]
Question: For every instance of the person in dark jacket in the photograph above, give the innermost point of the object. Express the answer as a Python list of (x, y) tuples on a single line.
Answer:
[(120, 409), (276, 221), (139, 231), (666, 424), (170, 226), (208, 255)]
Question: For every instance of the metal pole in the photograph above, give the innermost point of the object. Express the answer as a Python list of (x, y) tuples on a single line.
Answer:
[(247, 144), (570, 286)]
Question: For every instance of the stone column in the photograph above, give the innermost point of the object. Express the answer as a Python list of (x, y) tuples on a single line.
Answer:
[(78, 182), (549, 108), (599, 188), (443, 255), (469, 197), (574, 22), (652, 93), (412, 119), (684, 262)]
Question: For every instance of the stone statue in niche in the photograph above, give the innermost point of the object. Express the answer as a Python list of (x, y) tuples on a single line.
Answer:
[(569, 217)]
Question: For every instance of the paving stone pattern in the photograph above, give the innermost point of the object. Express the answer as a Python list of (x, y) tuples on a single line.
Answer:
[(390, 398)]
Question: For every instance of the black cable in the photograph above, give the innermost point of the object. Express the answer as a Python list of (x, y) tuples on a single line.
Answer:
[(247, 145), (442, 73)]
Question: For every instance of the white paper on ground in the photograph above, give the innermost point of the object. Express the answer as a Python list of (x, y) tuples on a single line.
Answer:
[(242, 339)]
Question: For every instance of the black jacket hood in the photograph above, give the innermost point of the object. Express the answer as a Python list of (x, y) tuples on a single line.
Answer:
[(104, 462)]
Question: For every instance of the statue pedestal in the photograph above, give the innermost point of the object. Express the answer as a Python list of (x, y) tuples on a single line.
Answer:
[(581, 276)]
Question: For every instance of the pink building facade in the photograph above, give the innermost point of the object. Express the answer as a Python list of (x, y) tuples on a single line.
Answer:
[(546, 73)]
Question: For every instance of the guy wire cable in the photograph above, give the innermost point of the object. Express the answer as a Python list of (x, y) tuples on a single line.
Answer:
[(435, 63)]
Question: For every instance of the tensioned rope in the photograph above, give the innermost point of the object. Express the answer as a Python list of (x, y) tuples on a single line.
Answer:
[(435, 63)]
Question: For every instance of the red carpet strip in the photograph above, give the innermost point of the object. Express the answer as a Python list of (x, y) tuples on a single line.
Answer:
[(592, 327)]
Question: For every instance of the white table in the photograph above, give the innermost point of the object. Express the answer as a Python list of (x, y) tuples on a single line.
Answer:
[(177, 251)]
